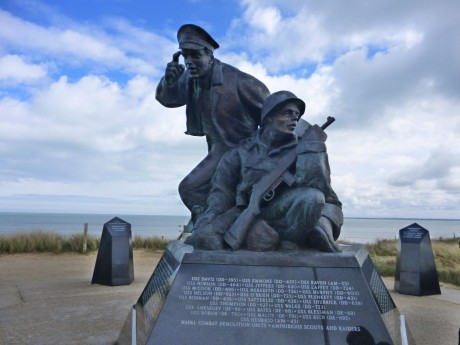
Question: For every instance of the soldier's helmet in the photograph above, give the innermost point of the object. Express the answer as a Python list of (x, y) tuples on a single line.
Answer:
[(278, 99)]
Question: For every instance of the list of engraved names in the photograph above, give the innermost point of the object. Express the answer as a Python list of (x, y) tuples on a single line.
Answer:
[(270, 303)]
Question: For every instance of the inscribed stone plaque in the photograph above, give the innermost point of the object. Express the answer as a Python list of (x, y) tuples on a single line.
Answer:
[(273, 298), (267, 305), (412, 234), (303, 297), (154, 294), (416, 272)]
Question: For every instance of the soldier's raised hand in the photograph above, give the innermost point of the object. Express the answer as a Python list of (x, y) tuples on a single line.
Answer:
[(174, 69)]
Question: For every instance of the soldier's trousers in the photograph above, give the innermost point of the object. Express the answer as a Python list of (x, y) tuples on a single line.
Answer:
[(294, 212), (194, 188)]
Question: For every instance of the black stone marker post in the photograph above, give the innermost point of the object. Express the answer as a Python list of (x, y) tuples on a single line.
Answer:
[(114, 263), (415, 268)]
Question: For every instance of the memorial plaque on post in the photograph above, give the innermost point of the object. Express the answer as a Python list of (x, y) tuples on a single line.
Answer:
[(416, 272), (271, 298), (114, 263)]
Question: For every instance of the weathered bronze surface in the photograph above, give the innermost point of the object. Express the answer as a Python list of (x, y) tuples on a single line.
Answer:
[(263, 185)]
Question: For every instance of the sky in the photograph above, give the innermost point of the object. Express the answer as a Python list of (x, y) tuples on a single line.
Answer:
[(81, 131)]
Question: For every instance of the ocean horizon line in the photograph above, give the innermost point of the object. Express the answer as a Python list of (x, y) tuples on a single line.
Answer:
[(185, 215), (362, 229)]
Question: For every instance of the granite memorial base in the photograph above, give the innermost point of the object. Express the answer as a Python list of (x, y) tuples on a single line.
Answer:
[(114, 263), (416, 272), (270, 298)]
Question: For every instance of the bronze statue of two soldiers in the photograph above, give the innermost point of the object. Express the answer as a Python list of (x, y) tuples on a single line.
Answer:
[(265, 183)]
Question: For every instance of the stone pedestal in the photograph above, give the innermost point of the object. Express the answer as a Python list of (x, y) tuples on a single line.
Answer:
[(114, 263), (271, 298), (416, 272)]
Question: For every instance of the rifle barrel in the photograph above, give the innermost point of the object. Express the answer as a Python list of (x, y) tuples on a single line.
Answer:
[(329, 121)]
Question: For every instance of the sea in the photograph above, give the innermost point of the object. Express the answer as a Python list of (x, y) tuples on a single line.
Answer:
[(356, 230)]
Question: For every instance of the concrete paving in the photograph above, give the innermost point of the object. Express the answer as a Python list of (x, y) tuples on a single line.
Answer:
[(48, 299), (432, 320)]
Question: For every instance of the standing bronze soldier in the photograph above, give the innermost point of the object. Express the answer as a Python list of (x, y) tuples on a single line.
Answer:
[(222, 103)]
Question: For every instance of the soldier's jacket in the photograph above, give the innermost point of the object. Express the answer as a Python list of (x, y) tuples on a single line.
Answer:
[(234, 105), (242, 167)]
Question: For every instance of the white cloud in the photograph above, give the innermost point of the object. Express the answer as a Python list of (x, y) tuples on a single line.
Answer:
[(314, 31), (97, 131), (115, 44), (265, 19), (387, 71), (13, 69), (405, 163)]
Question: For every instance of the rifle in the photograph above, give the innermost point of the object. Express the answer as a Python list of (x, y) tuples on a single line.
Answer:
[(264, 189)]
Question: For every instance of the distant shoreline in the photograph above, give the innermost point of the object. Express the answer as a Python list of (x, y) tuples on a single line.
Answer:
[(355, 229), (187, 216)]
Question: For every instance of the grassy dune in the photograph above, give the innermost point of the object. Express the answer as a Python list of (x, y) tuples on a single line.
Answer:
[(44, 241), (383, 252), (446, 253)]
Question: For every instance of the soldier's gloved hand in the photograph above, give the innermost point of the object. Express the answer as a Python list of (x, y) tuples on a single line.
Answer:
[(174, 69), (314, 133), (313, 140)]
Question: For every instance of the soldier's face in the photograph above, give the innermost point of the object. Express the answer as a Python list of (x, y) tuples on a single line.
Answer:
[(198, 62), (284, 120)]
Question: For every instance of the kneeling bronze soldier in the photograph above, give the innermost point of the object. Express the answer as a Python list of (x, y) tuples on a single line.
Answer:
[(302, 212)]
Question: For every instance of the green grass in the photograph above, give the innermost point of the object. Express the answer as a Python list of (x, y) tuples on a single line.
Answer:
[(447, 256), (383, 252), (446, 253), (35, 241), (153, 243), (39, 241)]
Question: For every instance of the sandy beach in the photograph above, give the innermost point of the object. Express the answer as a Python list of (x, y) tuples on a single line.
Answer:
[(48, 299)]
